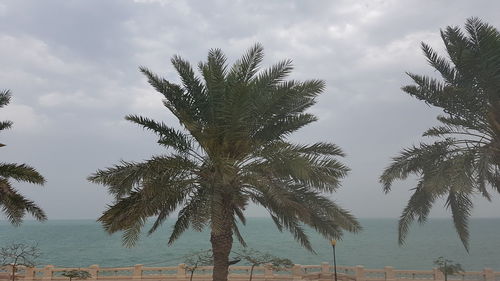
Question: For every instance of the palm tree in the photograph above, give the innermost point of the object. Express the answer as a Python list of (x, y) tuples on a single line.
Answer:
[(14, 205), (231, 151), (464, 157)]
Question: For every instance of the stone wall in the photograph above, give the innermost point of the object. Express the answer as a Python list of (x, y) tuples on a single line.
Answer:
[(323, 272)]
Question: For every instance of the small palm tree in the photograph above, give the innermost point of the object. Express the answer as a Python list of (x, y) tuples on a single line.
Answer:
[(231, 151), (464, 158), (257, 258), (15, 205), (76, 274), (447, 267), (194, 260)]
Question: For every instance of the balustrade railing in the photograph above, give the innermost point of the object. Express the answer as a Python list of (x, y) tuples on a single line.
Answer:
[(260, 273)]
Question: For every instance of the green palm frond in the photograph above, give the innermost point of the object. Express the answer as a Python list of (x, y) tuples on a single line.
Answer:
[(440, 63), (238, 235), (273, 76), (246, 68), (124, 178), (132, 233), (281, 127), (21, 172), (5, 125), (192, 213), (413, 161), (168, 137), (461, 206), (464, 158), (5, 97), (231, 150), (13, 204), (284, 218), (417, 208)]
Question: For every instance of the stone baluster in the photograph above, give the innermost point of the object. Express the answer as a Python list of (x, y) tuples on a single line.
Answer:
[(94, 272), (389, 273), (137, 275), (325, 270), (489, 275), (47, 272), (30, 273), (181, 271), (297, 272), (360, 273)]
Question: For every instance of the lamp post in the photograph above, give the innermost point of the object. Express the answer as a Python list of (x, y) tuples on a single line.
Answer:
[(334, 242)]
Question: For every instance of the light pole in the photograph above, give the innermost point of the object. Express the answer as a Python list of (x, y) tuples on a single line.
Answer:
[(334, 242)]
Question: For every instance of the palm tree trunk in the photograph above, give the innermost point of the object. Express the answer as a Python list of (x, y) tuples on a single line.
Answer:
[(191, 276), (251, 271), (14, 269), (221, 236), (221, 248)]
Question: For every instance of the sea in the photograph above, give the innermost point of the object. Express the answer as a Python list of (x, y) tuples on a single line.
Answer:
[(80, 243)]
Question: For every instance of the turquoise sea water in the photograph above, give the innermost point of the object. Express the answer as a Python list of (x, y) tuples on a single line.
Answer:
[(81, 243)]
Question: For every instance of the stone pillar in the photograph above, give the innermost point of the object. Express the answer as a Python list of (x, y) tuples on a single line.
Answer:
[(268, 272), (10, 269), (438, 275), (181, 271), (94, 272), (389, 273), (489, 275), (360, 273), (47, 272), (137, 275), (30, 273), (325, 270), (297, 272)]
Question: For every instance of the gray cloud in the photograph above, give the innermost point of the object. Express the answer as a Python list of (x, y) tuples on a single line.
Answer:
[(72, 66)]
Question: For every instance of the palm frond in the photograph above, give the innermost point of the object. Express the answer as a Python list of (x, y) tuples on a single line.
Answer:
[(21, 172), (231, 152), (273, 75), (5, 96), (440, 64), (122, 179), (460, 205), (418, 207), (246, 68), (5, 125), (15, 206), (464, 159), (169, 137), (193, 212)]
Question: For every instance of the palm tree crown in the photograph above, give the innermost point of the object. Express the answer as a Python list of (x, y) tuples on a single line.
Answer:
[(464, 158), (231, 151), (14, 205)]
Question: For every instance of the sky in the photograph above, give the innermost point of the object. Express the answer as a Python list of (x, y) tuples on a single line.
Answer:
[(72, 67)]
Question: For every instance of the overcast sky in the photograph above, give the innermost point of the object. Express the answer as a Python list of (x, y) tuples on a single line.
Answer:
[(72, 68)]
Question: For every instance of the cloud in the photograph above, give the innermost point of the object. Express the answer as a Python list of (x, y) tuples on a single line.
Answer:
[(26, 119), (3, 9), (406, 49), (34, 54), (72, 66), (78, 99)]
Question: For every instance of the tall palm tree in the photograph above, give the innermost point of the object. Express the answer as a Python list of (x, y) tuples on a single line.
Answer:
[(14, 205), (231, 151), (464, 158)]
